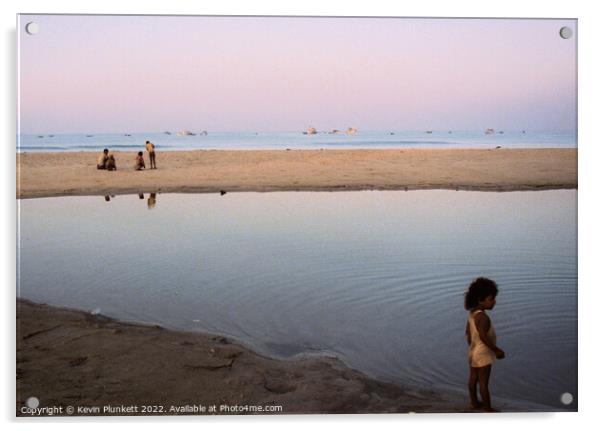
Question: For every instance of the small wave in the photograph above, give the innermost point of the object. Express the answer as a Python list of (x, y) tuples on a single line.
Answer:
[(385, 143), (44, 148), (106, 145)]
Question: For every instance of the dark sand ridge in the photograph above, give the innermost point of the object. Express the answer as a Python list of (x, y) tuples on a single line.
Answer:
[(73, 358), (74, 173)]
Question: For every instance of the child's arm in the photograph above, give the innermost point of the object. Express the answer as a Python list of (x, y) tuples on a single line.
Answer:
[(483, 324), (468, 334)]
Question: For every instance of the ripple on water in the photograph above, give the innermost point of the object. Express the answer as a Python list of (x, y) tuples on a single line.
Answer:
[(374, 277)]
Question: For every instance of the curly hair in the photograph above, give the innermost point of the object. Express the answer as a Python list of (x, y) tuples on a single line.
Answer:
[(478, 290)]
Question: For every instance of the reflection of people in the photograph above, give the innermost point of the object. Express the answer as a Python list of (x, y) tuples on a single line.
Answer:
[(150, 147), (139, 165), (107, 198), (102, 159), (140, 195), (152, 201), (111, 165), (482, 350)]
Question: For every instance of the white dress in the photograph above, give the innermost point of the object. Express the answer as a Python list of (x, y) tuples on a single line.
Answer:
[(479, 355)]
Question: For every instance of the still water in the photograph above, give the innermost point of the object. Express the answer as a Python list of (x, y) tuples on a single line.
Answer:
[(374, 277)]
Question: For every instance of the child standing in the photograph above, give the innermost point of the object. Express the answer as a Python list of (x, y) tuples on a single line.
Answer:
[(482, 350)]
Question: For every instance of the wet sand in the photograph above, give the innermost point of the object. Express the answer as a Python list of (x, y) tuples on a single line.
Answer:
[(73, 358), (206, 171)]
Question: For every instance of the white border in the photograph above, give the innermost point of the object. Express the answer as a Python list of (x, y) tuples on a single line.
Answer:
[(589, 214)]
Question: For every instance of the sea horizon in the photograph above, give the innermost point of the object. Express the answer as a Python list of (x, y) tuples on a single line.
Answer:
[(322, 139)]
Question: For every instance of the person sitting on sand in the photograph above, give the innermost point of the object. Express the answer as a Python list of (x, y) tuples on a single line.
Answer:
[(150, 147), (102, 159), (111, 165), (139, 165), (482, 347)]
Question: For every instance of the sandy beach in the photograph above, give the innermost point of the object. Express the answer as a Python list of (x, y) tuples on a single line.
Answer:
[(206, 171), (73, 358)]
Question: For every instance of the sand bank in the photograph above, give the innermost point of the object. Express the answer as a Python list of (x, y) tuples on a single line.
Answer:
[(72, 358), (74, 173)]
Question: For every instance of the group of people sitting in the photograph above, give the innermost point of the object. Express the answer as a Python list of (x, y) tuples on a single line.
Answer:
[(107, 161)]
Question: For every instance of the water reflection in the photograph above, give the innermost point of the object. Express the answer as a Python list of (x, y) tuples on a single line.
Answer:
[(150, 203)]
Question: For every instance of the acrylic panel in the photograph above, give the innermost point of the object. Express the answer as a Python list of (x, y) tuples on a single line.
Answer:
[(282, 215)]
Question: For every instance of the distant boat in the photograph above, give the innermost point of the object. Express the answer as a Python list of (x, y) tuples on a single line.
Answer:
[(351, 131), (391, 133), (167, 133), (429, 131), (51, 136), (501, 132), (524, 131), (489, 131), (89, 136), (310, 131), (126, 134), (449, 132), (335, 131), (203, 133), (185, 133), (40, 136)]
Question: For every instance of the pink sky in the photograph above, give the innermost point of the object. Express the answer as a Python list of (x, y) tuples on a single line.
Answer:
[(117, 73)]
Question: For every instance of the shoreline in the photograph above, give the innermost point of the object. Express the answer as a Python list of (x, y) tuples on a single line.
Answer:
[(67, 357), (209, 171)]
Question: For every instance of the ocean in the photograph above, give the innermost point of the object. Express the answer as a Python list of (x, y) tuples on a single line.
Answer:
[(170, 141)]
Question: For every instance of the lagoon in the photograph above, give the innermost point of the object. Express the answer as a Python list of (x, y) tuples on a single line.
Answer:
[(373, 277)]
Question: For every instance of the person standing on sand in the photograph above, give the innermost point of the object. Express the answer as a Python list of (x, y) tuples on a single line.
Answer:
[(102, 159), (482, 347), (139, 162), (150, 147)]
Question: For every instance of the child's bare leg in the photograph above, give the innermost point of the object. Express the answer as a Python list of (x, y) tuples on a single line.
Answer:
[(484, 373), (472, 388)]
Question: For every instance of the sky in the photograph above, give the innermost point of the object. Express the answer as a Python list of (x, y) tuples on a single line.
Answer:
[(119, 74)]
